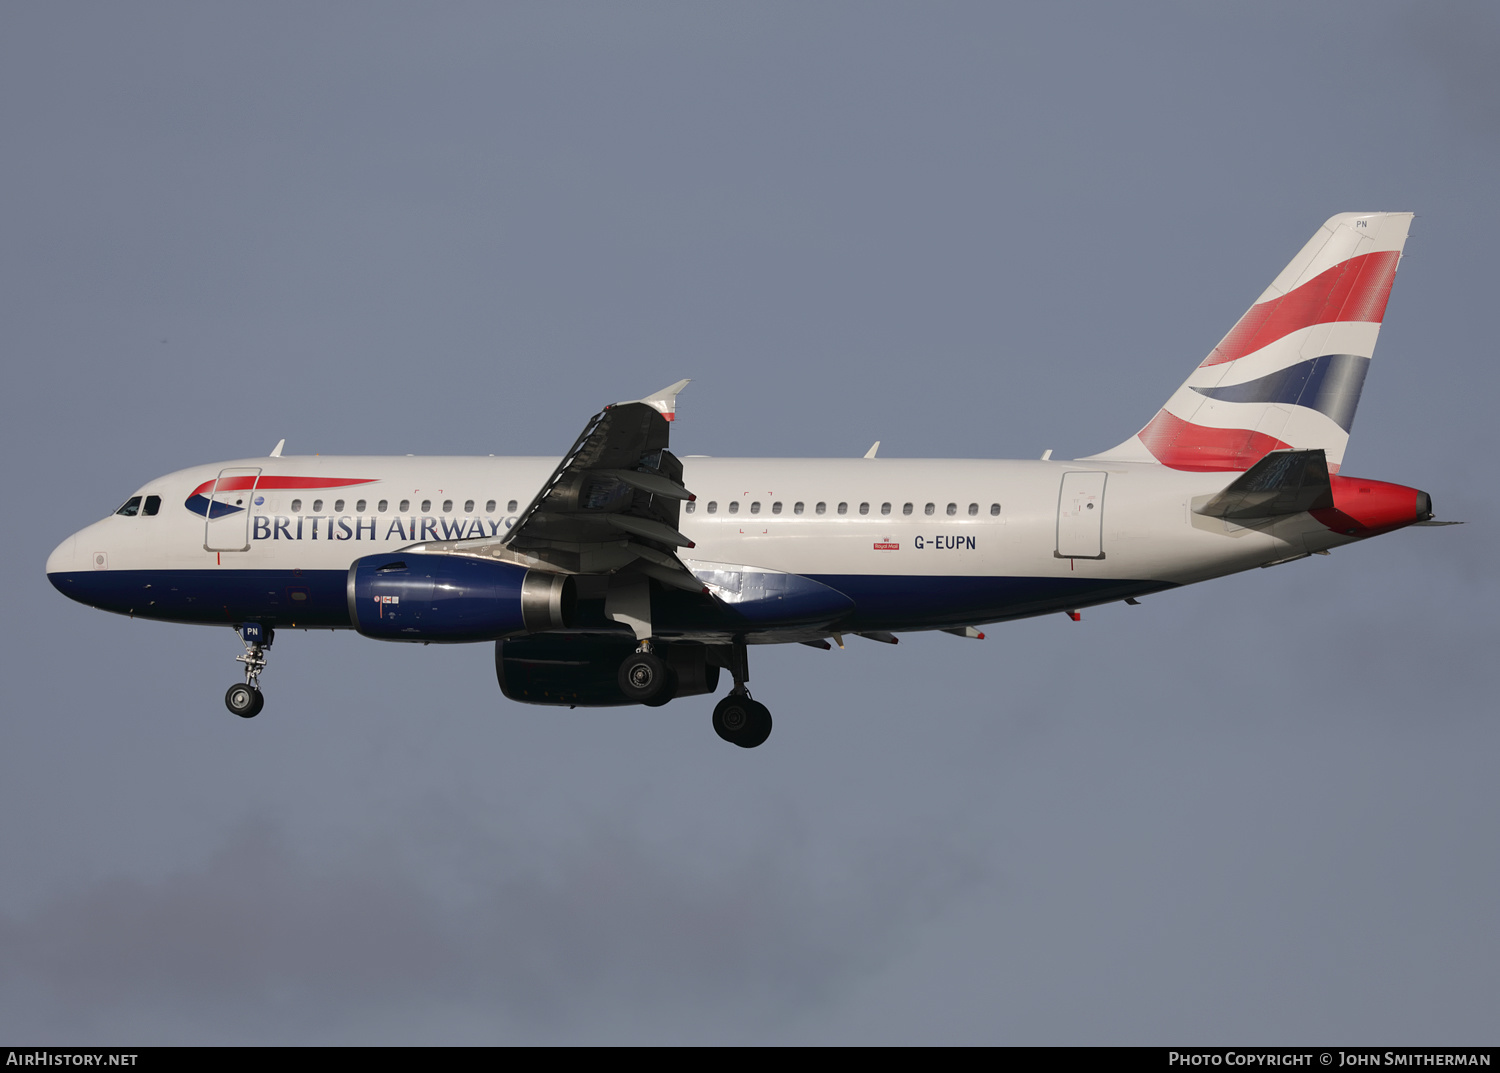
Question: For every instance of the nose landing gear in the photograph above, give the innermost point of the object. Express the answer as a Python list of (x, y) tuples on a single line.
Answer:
[(246, 700)]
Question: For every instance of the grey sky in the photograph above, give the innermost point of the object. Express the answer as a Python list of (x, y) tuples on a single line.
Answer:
[(1258, 810)]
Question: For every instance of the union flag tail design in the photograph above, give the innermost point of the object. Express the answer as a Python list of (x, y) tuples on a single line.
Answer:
[(1289, 372)]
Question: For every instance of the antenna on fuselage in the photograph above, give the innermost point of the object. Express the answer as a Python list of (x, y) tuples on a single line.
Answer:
[(276, 451), (873, 448)]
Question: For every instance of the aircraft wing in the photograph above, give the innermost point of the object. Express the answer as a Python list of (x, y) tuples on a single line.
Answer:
[(612, 501)]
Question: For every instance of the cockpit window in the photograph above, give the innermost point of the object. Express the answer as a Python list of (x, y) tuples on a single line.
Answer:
[(131, 508), (152, 505)]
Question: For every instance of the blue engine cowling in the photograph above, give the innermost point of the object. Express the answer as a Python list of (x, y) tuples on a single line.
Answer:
[(451, 598)]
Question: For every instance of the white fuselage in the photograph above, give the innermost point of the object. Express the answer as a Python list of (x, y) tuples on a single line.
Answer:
[(854, 523)]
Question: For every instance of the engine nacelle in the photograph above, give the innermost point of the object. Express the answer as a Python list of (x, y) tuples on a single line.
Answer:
[(580, 669), (450, 598)]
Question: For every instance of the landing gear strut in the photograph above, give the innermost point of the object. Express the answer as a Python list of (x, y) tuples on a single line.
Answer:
[(246, 700), (738, 719)]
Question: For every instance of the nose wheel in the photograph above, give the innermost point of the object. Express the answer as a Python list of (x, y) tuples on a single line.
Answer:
[(246, 700)]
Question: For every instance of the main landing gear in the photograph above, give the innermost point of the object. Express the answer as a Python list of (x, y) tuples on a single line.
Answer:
[(742, 721), (738, 719), (246, 700), (646, 679)]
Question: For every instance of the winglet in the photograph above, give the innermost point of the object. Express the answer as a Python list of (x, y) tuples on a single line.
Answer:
[(276, 451), (664, 401)]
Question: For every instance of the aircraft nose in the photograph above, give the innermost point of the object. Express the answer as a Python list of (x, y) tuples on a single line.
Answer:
[(63, 558), (80, 567)]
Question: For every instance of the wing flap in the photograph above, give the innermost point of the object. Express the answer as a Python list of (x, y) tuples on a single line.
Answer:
[(615, 497), (611, 505)]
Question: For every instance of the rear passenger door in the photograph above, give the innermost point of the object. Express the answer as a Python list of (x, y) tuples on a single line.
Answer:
[(1080, 516)]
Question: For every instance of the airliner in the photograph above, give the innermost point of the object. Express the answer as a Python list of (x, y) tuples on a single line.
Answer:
[(624, 574)]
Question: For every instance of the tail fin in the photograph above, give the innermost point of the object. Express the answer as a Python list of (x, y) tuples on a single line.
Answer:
[(1289, 372)]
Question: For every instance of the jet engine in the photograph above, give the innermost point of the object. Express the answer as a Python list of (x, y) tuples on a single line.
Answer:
[(583, 670), (449, 598)]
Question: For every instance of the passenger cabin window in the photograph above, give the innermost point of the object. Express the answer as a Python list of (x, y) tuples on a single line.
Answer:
[(952, 509), (317, 506), (843, 508), (821, 508), (511, 506), (489, 508), (691, 506), (973, 509), (929, 508), (734, 506), (296, 506), (405, 505), (338, 506), (776, 507), (713, 506), (885, 508), (797, 508), (905, 508), (864, 508), (468, 506), (151, 506), (359, 508), (994, 510), (426, 505), (447, 506), (382, 505), (131, 508), (755, 507)]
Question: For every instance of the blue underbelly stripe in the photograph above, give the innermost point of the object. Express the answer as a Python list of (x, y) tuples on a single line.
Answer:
[(318, 599)]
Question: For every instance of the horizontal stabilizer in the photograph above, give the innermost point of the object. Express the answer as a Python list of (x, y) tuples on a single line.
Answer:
[(1281, 483)]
